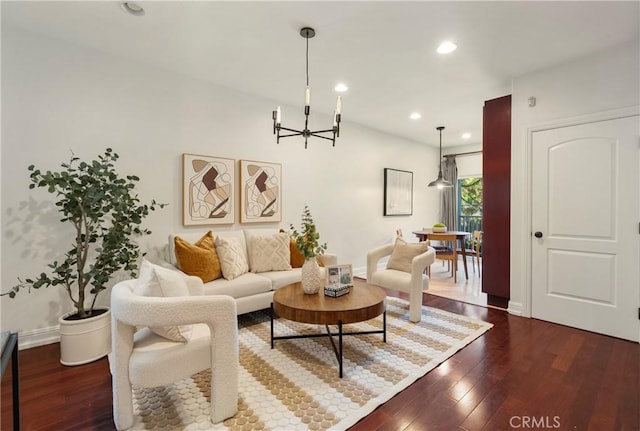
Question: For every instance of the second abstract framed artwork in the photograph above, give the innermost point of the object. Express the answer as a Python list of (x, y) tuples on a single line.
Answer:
[(208, 187), (260, 192)]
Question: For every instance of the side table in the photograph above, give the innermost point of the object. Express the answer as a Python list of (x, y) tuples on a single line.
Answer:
[(9, 342)]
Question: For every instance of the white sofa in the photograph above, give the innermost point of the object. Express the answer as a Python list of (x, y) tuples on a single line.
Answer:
[(251, 291)]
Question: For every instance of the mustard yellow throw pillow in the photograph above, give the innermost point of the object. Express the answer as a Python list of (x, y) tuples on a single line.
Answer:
[(199, 259), (297, 259), (403, 253)]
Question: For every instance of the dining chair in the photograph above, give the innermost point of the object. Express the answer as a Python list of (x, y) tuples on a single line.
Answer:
[(448, 252), (436, 244), (474, 251)]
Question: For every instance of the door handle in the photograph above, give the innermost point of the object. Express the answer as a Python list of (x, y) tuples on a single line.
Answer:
[(538, 234)]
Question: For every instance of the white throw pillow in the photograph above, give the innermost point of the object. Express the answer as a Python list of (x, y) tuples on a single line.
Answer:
[(231, 255), (156, 281), (270, 253), (249, 234), (403, 253)]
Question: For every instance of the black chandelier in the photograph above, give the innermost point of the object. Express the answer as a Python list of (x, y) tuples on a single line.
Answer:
[(308, 33), (440, 182)]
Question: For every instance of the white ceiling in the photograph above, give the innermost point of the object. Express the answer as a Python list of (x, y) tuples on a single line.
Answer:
[(384, 51)]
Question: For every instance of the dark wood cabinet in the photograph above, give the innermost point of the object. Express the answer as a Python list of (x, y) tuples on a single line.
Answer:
[(496, 200)]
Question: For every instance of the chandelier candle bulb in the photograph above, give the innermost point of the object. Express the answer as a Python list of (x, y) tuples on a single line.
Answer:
[(278, 116), (273, 115), (338, 106), (307, 96)]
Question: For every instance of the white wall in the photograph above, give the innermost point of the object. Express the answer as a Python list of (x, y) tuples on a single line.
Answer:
[(604, 82), (57, 97)]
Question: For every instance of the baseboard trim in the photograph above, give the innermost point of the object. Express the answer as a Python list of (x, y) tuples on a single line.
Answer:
[(38, 337), (515, 308)]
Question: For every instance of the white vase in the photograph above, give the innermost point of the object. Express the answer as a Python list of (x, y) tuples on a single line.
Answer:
[(311, 276), (85, 340)]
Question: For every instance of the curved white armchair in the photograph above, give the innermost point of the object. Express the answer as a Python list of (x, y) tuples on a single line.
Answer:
[(148, 360), (412, 283)]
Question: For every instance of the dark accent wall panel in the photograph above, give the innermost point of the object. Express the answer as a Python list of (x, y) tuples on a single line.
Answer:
[(496, 198)]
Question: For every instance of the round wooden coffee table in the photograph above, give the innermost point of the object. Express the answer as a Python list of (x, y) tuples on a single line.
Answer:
[(363, 302)]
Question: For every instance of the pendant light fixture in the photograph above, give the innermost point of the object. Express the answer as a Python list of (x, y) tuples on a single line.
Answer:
[(308, 33), (440, 182)]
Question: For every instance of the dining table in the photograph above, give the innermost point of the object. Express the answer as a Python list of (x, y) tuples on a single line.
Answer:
[(424, 235)]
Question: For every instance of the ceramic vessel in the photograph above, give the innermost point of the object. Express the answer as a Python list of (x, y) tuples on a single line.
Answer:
[(311, 276)]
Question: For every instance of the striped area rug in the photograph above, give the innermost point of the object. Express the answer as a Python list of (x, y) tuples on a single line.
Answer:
[(295, 386)]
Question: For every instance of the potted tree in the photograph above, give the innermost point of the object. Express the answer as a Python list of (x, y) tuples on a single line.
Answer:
[(106, 214), (308, 242)]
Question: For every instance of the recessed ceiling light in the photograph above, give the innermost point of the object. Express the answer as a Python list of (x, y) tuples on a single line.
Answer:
[(341, 88), (133, 8), (446, 47), (415, 115), (466, 135)]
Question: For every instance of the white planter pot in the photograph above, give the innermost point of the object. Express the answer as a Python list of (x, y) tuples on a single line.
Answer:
[(86, 340), (311, 277)]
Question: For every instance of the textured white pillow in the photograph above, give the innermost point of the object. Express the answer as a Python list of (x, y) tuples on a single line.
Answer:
[(270, 253), (403, 253), (231, 255), (157, 281)]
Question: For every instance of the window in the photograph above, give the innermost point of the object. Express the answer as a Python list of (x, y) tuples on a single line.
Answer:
[(470, 204)]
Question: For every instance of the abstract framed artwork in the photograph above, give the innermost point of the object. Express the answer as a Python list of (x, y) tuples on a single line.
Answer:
[(398, 192), (260, 192), (208, 187)]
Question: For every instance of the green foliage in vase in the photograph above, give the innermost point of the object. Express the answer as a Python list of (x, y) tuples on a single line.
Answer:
[(307, 240), (439, 225), (105, 213)]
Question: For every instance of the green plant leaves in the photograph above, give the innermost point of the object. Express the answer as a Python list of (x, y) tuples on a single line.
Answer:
[(307, 240), (105, 212)]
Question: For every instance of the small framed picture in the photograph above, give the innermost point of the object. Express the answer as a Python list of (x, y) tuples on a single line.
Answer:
[(339, 275)]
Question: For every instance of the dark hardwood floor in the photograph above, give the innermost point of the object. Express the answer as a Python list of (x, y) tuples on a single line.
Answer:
[(522, 374)]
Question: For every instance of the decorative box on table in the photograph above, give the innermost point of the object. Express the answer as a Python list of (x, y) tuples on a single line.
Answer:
[(336, 290), (339, 279)]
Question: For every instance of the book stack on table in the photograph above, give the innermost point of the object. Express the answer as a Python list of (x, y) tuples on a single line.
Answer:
[(336, 290)]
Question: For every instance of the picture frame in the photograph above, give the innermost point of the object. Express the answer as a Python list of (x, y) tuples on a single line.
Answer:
[(208, 190), (260, 192), (398, 192), (339, 275)]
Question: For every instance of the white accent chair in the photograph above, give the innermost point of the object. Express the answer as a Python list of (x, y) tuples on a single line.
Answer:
[(413, 283), (145, 359)]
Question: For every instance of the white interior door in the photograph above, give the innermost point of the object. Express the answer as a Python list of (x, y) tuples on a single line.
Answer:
[(586, 210)]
